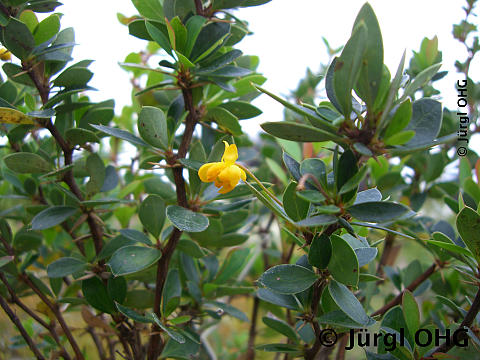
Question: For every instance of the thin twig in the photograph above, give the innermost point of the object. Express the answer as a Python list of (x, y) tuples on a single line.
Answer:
[(13, 317)]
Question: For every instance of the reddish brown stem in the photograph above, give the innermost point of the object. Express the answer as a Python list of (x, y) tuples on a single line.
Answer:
[(398, 299), (54, 308), (14, 318)]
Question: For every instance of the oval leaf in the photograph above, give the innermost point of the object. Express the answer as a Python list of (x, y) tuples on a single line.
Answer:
[(52, 216), (288, 279), (186, 220), (131, 259)]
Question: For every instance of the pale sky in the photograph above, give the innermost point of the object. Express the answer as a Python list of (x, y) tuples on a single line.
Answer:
[(287, 38)]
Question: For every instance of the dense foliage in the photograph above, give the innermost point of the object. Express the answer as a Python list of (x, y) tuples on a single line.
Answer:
[(153, 233)]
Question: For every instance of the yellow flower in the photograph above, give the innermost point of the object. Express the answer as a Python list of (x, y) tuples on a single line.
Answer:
[(225, 173), (5, 55)]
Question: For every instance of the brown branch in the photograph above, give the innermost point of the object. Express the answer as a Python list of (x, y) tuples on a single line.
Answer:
[(466, 323), (416, 283), (21, 305), (199, 7), (14, 318), (54, 308), (387, 247), (97, 342), (253, 330), (317, 293), (155, 346)]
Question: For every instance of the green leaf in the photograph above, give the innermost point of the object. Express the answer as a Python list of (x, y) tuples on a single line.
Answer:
[(320, 251), (226, 120), (136, 236), (96, 170), (468, 226), (317, 168), (346, 170), (180, 8), (77, 136), (354, 181), (392, 93), (47, 29), (314, 119), (232, 265), (211, 235), (449, 246), (65, 266), (18, 39), (159, 36), (370, 76), (426, 122), (348, 303), (282, 327), (150, 9), (152, 126), (299, 132), (194, 26), (16, 74), (229, 71), (219, 62), (348, 66), (186, 220), (411, 312), (152, 214), (286, 301), (52, 216), (420, 80), (400, 119), (121, 134), (317, 220), (132, 259), (288, 279), (73, 77), (117, 288), (399, 138), (173, 334), (339, 318), (191, 248), (377, 211), (132, 314), (294, 206), (228, 309), (27, 163), (209, 38), (343, 263), (241, 109), (97, 295)]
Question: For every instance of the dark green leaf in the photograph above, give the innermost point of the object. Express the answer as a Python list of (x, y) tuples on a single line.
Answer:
[(121, 134), (209, 37), (241, 109), (371, 69), (288, 279), (343, 263), (27, 163), (18, 39), (73, 77), (294, 206), (377, 211), (348, 66), (299, 132), (426, 122), (152, 214), (64, 267), (132, 259), (135, 235), (97, 296), (52, 216), (152, 126), (186, 220), (286, 301), (317, 220), (280, 326), (348, 303), (468, 226), (226, 120), (320, 251)]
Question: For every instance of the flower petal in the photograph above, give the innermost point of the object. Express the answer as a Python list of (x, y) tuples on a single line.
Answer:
[(231, 175), (202, 172), (226, 188), (231, 153), (243, 176)]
